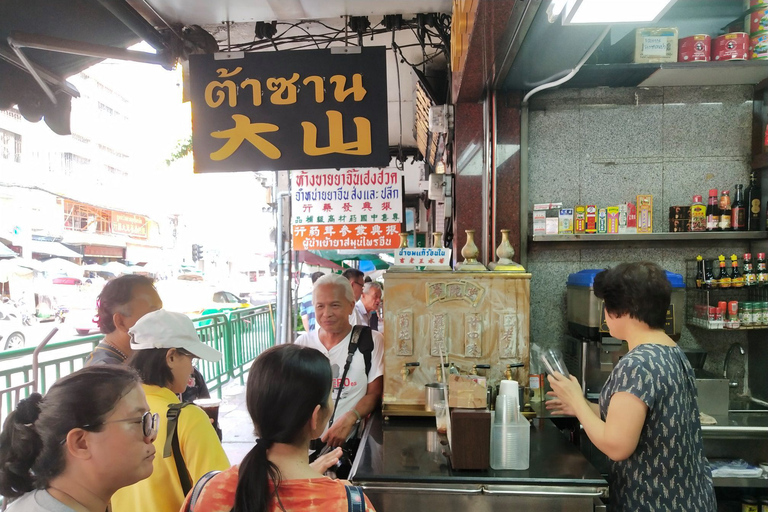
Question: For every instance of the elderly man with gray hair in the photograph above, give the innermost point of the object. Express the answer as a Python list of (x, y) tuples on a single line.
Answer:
[(357, 389), (366, 309)]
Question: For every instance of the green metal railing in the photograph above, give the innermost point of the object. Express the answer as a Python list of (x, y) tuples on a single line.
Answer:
[(240, 335)]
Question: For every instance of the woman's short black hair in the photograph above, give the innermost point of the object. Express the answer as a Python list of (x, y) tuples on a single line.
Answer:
[(152, 366), (640, 290)]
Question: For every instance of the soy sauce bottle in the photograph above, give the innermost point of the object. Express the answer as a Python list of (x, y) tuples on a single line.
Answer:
[(713, 211), (738, 212)]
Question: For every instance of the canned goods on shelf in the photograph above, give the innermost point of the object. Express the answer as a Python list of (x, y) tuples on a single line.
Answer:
[(751, 4), (756, 20), (758, 46)]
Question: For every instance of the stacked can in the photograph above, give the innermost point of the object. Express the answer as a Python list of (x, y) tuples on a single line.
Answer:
[(756, 25), (752, 314)]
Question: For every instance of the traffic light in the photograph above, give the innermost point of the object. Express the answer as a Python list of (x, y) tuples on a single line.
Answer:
[(194, 252), (200, 252)]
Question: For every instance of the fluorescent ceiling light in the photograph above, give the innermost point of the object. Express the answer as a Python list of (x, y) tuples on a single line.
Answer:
[(579, 12)]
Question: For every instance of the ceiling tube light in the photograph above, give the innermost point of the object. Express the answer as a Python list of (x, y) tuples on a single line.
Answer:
[(602, 12)]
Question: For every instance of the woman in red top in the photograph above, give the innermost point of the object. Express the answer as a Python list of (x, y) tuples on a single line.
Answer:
[(289, 399)]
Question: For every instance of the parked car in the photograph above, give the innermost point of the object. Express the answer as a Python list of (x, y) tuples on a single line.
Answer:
[(11, 333)]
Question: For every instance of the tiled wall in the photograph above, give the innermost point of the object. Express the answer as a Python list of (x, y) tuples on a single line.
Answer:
[(605, 146)]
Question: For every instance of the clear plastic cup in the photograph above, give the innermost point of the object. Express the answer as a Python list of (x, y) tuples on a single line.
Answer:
[(554, 362), (511, 444), (441, 417)]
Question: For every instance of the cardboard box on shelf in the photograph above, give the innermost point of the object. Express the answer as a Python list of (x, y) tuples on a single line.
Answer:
[(650, 44), (644, 213), (566, 221), (579, 219)]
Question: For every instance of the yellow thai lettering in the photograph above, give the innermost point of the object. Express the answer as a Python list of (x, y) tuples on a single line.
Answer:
[(360, 146), (255, 89), (357, 89), (245, 130), (319, 89), (285, 90), (215, 87)]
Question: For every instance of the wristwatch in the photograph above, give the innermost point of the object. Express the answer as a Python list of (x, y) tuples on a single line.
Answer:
[(359, 418)]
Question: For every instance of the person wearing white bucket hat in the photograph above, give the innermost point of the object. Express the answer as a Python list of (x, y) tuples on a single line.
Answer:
[(164, 344)]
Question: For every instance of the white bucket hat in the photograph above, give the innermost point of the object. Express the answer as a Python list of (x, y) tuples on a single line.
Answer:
[(166, 329)]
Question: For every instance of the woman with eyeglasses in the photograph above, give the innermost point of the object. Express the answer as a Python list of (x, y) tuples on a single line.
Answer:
[(71, 450), (164, 345), (288, 395)]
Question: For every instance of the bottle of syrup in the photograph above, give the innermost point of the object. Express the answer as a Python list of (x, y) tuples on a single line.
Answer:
[(725, 211)]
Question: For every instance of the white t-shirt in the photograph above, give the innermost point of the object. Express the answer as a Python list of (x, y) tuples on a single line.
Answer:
[(358, 318), (356, 384), (38, 501)]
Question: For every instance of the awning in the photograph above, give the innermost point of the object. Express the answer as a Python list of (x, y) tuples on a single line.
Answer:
[(318, 261), (5, 252), (52, 249)]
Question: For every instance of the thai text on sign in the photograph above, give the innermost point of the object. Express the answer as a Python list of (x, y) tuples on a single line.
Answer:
[(347, 209), (129, 224), (286, 110)]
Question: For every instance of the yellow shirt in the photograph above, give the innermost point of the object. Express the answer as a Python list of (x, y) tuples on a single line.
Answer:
[(200, 447)]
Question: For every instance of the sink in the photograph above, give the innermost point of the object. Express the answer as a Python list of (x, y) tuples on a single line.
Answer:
[(742, 405), (713, 396)]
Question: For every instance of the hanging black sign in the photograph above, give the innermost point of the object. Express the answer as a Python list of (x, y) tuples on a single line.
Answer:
[(287, 110)]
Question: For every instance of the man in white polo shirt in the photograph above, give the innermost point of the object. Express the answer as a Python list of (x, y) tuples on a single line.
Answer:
[(361, 392)]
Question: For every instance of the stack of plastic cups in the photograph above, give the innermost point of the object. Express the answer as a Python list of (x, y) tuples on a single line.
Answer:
[(510, 431)]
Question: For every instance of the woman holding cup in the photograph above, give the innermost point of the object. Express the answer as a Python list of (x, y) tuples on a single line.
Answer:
[(647, 419)]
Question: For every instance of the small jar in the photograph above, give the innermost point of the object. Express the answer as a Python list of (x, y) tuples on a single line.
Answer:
[(764, 310), (749, 504), (745, 314)]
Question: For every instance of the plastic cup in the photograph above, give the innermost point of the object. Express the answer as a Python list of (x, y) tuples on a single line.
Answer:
[(210, 406), (553, 361), (441, 417)]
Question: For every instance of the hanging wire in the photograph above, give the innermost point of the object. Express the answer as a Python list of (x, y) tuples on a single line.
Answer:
[(399, 163)]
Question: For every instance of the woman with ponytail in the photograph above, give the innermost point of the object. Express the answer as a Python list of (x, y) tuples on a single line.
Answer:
[(289, 399), (71, 450)]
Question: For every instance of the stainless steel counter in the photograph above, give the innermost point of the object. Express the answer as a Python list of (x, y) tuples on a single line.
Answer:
[(400, 464)]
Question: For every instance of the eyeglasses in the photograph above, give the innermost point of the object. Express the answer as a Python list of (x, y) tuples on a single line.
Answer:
[(149, 423), (361, 285), (190, 355)]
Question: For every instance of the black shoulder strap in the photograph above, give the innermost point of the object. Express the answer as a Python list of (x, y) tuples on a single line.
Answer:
[(172, 445), (350, 354), (365, 345), (355, 499)]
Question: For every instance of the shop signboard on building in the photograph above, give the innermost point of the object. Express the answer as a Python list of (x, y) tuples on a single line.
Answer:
[(129, 224), (288, 110), (348, 209)]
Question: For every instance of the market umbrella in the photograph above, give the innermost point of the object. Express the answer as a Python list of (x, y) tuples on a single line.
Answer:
[(315, 260), (371, 265), (13, 266), (62, 266)]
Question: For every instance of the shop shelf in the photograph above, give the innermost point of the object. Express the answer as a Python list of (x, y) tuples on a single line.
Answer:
[(651, 238)]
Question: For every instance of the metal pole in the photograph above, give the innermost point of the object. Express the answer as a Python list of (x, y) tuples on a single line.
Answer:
[(283, 271)]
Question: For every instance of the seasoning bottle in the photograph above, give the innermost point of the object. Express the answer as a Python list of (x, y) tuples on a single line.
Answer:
[(698, 215), (762, 274), (723, 279), (709, 276), (738, 211), (737, 280), (752, 199), (699, 271), (713, 212), (750, 279), (725, 210)]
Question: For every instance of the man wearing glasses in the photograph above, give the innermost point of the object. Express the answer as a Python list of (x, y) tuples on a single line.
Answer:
[(357, 280)]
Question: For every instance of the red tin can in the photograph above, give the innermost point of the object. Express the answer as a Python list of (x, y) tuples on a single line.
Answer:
[(756, 20), (733, 46), (751, 4), (696, 48)]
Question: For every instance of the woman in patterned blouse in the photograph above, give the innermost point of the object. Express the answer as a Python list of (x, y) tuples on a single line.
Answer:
[(647, 420), (289, 399)]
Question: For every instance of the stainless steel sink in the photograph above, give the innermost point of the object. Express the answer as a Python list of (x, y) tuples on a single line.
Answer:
[(746, 405)]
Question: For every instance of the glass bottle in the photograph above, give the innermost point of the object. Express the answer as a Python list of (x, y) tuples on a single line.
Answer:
[(709, 276), (713, 212), (762, 274), (699, 271), (737, 280), (698, 215), (752, 199), (738, 211), (723, 279), (725, 210), (750, 279)]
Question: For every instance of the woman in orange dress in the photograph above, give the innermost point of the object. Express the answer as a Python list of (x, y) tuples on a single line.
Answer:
[(289, 399)]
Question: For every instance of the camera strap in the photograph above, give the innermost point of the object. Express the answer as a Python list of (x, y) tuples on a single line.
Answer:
[(350, 354)]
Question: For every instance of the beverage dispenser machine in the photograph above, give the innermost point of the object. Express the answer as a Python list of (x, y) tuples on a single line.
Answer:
[(590, 351)]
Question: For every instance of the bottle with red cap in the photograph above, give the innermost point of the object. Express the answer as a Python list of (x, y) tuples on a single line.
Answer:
[(713, 211), (750, 278), (762, 274), (697, 215)]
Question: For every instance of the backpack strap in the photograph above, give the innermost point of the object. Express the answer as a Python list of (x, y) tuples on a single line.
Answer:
[(365, 345), (355, 498), (198, 489), (172, 445)]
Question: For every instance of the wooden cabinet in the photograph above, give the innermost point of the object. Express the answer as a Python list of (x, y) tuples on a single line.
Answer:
[(477, 317)]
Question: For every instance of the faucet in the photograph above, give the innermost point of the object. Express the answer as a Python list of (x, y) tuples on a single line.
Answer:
[(727, 358), (407, 369)]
